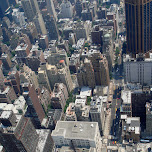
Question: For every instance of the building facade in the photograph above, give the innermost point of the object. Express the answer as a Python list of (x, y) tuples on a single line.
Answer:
[(138, 25)]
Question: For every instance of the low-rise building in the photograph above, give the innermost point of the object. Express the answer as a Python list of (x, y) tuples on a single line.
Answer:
[(70, 113), (126, 103), (130, 128)]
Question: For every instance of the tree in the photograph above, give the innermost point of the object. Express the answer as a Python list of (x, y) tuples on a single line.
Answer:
[(88, 100), (70, 99), (17, 67), (117, 51), (87, 45), (71, 49)]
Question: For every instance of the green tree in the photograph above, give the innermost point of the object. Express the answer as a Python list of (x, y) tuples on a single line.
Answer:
[(17, 67), (88, 100), (69, 100), (87, 45), (117, 51)]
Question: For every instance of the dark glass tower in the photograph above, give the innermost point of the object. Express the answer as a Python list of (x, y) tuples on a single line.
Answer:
[(139, 26)]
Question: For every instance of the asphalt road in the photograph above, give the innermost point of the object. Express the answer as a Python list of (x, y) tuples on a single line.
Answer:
[(115, 109)]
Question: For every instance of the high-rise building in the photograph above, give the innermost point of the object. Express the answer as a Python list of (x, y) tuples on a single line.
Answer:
[(27, 75), (13, 80), (39, 24), (45, 98), (138, 102), (138, 70), (51, 27), (96, 35), (8, 95), (95, 69), (77, 134), (139, 26), (101, 70), (56, 55), (43, 78), (86, 75), (2, 86), (60, 74), (51, 9), (43, 41), (18, 17), (59, 96), (6, 61), (35, 109), (3, 7), (66, 9), (51, 74), (22, 137), (97, 113), (28, 10), (78, 8), (101, 13), (148, 118)]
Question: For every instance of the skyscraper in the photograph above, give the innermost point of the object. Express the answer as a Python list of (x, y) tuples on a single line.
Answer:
[(51, 27), (39, 24), (22, 137), (51, 9), (139, 26), (78, 8), (31, 8)]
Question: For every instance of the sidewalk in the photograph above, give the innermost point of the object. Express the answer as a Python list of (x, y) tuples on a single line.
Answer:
[(107, 125)]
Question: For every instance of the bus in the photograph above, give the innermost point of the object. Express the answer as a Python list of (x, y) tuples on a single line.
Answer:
[(144, 141)]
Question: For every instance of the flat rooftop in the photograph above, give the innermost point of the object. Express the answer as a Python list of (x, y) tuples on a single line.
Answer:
[(126, 97), (76, 130), (43, 135)]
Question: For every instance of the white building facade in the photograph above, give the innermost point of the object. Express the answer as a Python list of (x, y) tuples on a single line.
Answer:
[(138, 71)]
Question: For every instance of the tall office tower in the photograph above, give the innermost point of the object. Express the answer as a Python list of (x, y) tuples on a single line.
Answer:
[(51, 9), (31, 8), (86, 75), (78, 7), (139, 26), (138, 103), (22, 137), (66, 9), (51, 27), (101, 70), (39, 24), (3, 7), (35, 109), (96, 35)]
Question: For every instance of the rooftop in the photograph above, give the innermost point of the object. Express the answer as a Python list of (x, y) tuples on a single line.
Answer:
[(5, 114), (43, 135), (76, 130), (126, 97), (86, 91)]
